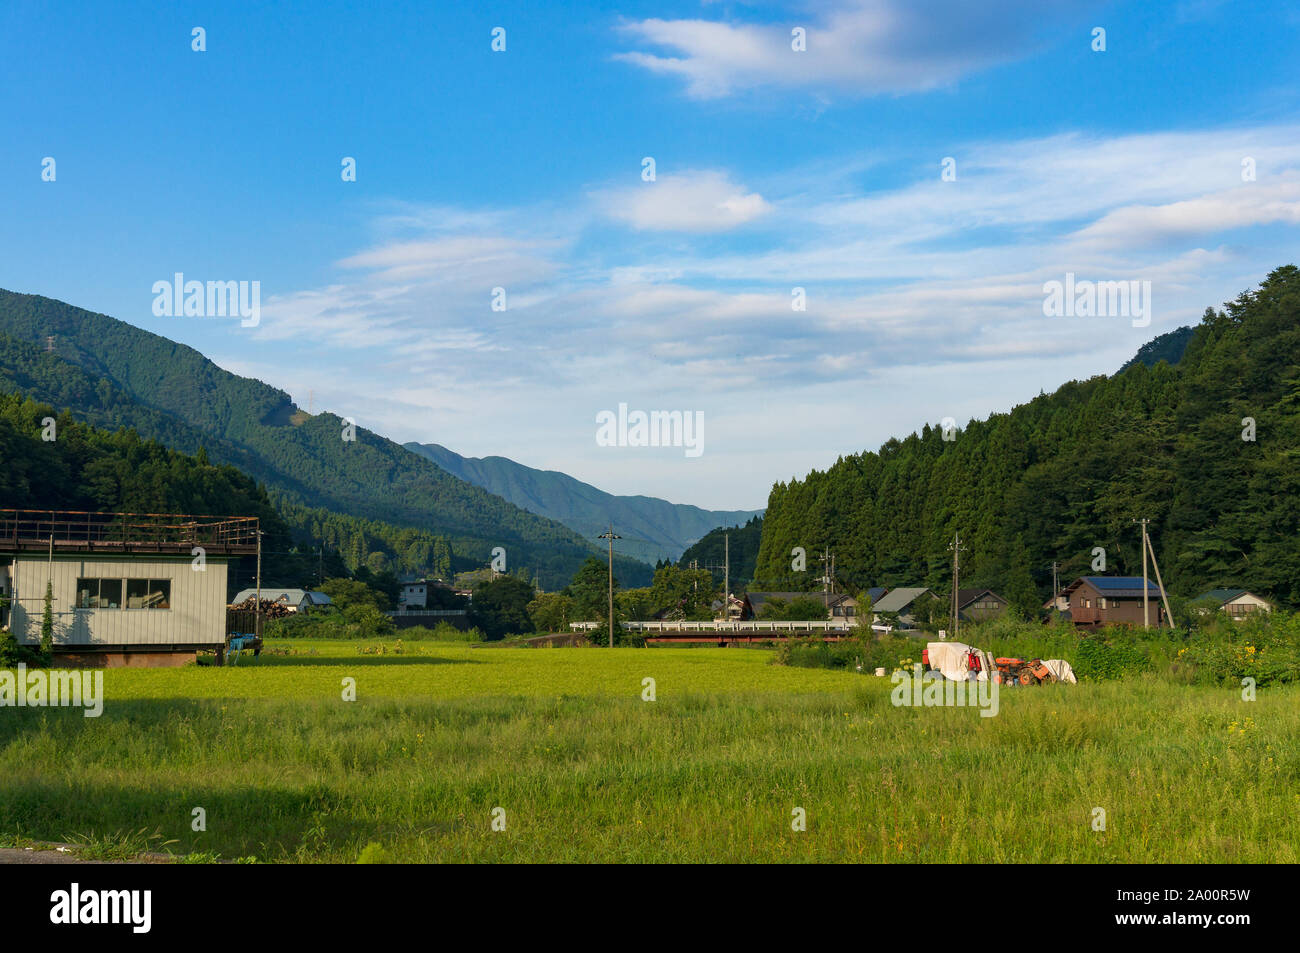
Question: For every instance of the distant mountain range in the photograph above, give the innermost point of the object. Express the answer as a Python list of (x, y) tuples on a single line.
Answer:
[(113, 374), (652, 529)]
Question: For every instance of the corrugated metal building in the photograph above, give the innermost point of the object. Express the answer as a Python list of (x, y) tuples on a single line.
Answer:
[(126, 588)]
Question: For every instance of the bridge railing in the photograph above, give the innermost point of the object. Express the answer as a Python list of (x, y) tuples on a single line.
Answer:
[(814, 625)]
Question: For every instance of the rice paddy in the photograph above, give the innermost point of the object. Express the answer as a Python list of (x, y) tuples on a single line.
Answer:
[(450, 753)]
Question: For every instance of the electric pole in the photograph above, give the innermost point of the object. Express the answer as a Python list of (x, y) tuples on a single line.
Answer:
[(828, 577), (1148, 548), (1146, 601), (726, 577), (611, 537), (257, 617), (1056, 587), (956, 548)]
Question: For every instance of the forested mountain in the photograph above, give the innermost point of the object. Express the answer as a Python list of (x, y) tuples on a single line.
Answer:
[(83, 468), (741, 543), (114, 374), (652, 529), (1167, 347), (1070, 471)]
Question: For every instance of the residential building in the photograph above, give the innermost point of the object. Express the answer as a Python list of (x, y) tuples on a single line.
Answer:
[(975, 605), (1101, 600), (1238, 603), (899, 602)]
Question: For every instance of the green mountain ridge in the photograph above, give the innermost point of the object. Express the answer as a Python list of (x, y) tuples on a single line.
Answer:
[(1168, 347), (112, 374), (652, 529), (736, 547), (1207, 449)]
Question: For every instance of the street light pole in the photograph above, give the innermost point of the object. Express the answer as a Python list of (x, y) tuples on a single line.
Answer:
[(611, 537)]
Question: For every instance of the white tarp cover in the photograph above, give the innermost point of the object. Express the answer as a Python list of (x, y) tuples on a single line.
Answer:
[(950, 659), (1061, 669)]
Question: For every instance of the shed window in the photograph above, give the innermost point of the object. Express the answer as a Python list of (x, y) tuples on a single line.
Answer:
[(99, 593), (148, 593)]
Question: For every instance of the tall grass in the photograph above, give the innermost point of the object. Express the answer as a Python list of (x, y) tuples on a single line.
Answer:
[(587, 771)]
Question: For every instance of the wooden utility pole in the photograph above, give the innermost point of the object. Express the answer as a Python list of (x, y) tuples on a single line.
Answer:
[(1146, 601), (1056, 587), (828, 577), (257, 617), (1159, 582), (956, 548), (611, 537), (726, 577)]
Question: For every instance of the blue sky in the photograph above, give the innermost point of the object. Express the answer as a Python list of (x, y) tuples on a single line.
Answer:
[(775, 169)]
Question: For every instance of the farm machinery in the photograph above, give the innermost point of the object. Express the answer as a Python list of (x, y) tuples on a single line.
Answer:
[(1020, 672), (959, 662)]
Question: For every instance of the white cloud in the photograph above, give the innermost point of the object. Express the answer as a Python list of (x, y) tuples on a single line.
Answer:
[(1253, 203), (934, 281), (866, 47), (704, 201)]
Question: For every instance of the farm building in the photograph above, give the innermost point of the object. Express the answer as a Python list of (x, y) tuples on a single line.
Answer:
[(1236, 602), (296, 600), (126, 589), (1101, 600)]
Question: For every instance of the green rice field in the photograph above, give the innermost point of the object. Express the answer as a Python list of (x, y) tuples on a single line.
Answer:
[(583, 769)]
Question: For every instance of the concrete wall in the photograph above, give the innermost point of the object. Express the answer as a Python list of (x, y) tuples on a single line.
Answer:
[(198, 602)]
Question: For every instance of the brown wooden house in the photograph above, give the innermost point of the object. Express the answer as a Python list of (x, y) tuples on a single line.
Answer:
[(1102, 600)]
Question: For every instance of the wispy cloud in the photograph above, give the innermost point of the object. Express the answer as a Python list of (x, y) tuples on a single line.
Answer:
[(861, 48), (899, 281), (691, 201)]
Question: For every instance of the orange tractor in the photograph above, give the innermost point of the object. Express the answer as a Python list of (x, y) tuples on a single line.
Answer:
[(1015, 671)]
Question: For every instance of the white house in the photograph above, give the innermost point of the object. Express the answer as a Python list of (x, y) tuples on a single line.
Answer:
[(414, 595), (1236, 602)]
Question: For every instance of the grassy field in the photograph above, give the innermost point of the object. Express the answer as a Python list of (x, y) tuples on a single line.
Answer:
[(585, 770)]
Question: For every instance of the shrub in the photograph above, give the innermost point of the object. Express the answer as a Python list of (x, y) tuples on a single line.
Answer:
[(1099, 658)]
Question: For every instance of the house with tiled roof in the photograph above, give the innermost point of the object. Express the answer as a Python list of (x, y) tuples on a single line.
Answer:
[(975, 605), (1238, 603), (899, 603)]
